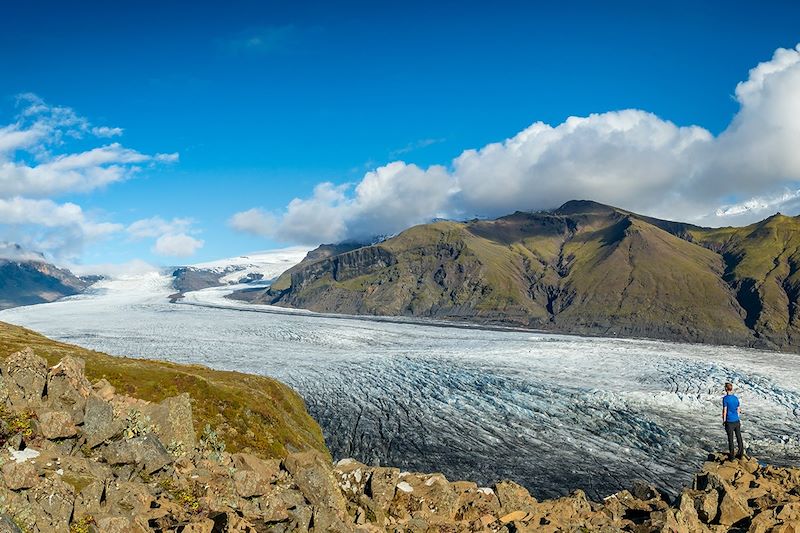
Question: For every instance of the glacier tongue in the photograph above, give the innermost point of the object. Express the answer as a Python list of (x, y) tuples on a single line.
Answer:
[(552, 412)]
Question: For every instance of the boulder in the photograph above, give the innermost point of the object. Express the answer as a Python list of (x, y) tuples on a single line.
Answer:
[(313, 474), (128, 498), (67, 386), (52, 500), (104, 389), (514, 497), (172, 419), (732, 508), (145, 452), (17, 476), (99, 423), (57, 425), (381, 485), (25, 377)]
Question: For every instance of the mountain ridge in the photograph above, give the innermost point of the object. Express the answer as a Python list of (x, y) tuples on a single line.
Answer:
[(584, 268)]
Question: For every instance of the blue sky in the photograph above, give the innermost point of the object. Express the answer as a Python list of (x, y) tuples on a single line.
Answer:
[(263, 101)]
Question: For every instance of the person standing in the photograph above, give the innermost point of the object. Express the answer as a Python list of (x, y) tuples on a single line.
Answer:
[(730, 419)]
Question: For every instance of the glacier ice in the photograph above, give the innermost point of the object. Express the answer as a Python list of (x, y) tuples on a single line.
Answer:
[(553, 412)]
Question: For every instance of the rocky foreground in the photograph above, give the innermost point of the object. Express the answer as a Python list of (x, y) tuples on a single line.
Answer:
[(78, 457)]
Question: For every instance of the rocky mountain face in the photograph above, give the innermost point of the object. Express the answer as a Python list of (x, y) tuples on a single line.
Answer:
[(33, 281), (583, 268), (80, 457)]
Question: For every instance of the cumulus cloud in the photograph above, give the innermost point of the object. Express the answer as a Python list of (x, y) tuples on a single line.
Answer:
[(171, 236), (629, 158), (37, 165), (177, 245)]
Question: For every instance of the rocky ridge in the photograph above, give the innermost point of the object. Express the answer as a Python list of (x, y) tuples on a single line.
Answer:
[(79, 457)]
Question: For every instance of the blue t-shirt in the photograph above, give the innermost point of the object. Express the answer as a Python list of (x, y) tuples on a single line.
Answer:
[(732, 403)]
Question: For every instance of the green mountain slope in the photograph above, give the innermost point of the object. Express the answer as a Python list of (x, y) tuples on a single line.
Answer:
[(583, 268)]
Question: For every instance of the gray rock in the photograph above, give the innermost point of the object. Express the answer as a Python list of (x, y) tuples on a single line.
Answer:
[(99, 423), (173, 420), (146, 452), (7, 525), (68, 388), (25, 376)]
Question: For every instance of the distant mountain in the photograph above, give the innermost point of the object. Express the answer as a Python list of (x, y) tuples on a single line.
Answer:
[(26, 278), (583, 268)]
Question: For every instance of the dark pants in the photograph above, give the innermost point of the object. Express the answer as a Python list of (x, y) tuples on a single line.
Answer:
[(730, 429)]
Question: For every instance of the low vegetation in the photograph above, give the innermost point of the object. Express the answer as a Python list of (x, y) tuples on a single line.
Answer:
[(251, 413)]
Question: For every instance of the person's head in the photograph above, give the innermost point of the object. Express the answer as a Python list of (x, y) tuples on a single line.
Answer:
[(729, 387)]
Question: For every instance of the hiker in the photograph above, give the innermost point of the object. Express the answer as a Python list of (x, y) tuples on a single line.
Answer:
[(730, 419)]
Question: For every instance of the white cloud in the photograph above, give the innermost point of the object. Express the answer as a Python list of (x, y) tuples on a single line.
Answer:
[(105, 131), (177, 245), (36, 165), (45, 226), (255, 222), (630, 158), (157, 226)]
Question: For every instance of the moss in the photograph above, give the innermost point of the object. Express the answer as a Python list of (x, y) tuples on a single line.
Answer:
[(82, 525), (260, 414), (78, 482)]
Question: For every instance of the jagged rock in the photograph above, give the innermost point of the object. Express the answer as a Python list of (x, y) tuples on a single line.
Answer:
[(732, 508), (252, 476), (99, 424), (128, 497), (381, 486), (172, 419), (146, 452), (313, 474), (514, 497), (18, 476), (104, 389), (67, 386), (25, 377), (7, 525), (57, 425), (52, 501), (119, 524), (203, 526)]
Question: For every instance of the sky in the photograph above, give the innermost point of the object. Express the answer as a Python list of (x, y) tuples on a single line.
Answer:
[(173, 133)]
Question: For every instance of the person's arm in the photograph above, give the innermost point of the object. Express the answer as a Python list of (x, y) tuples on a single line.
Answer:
[(724, 413)]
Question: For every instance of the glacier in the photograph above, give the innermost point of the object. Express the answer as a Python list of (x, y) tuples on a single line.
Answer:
[(552, 412)]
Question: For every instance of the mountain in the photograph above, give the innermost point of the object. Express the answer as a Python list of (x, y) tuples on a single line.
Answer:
[(583, 268), (27, 279)]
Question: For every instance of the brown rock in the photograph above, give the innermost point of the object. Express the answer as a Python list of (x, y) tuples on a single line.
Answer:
[(57, 425), (313, 474), (733, 508), (25, 377), (20, 475), (381, 485), (205, 525), (513, 517), (513, 497), (104, 389), (67, 386), (128, 497)]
